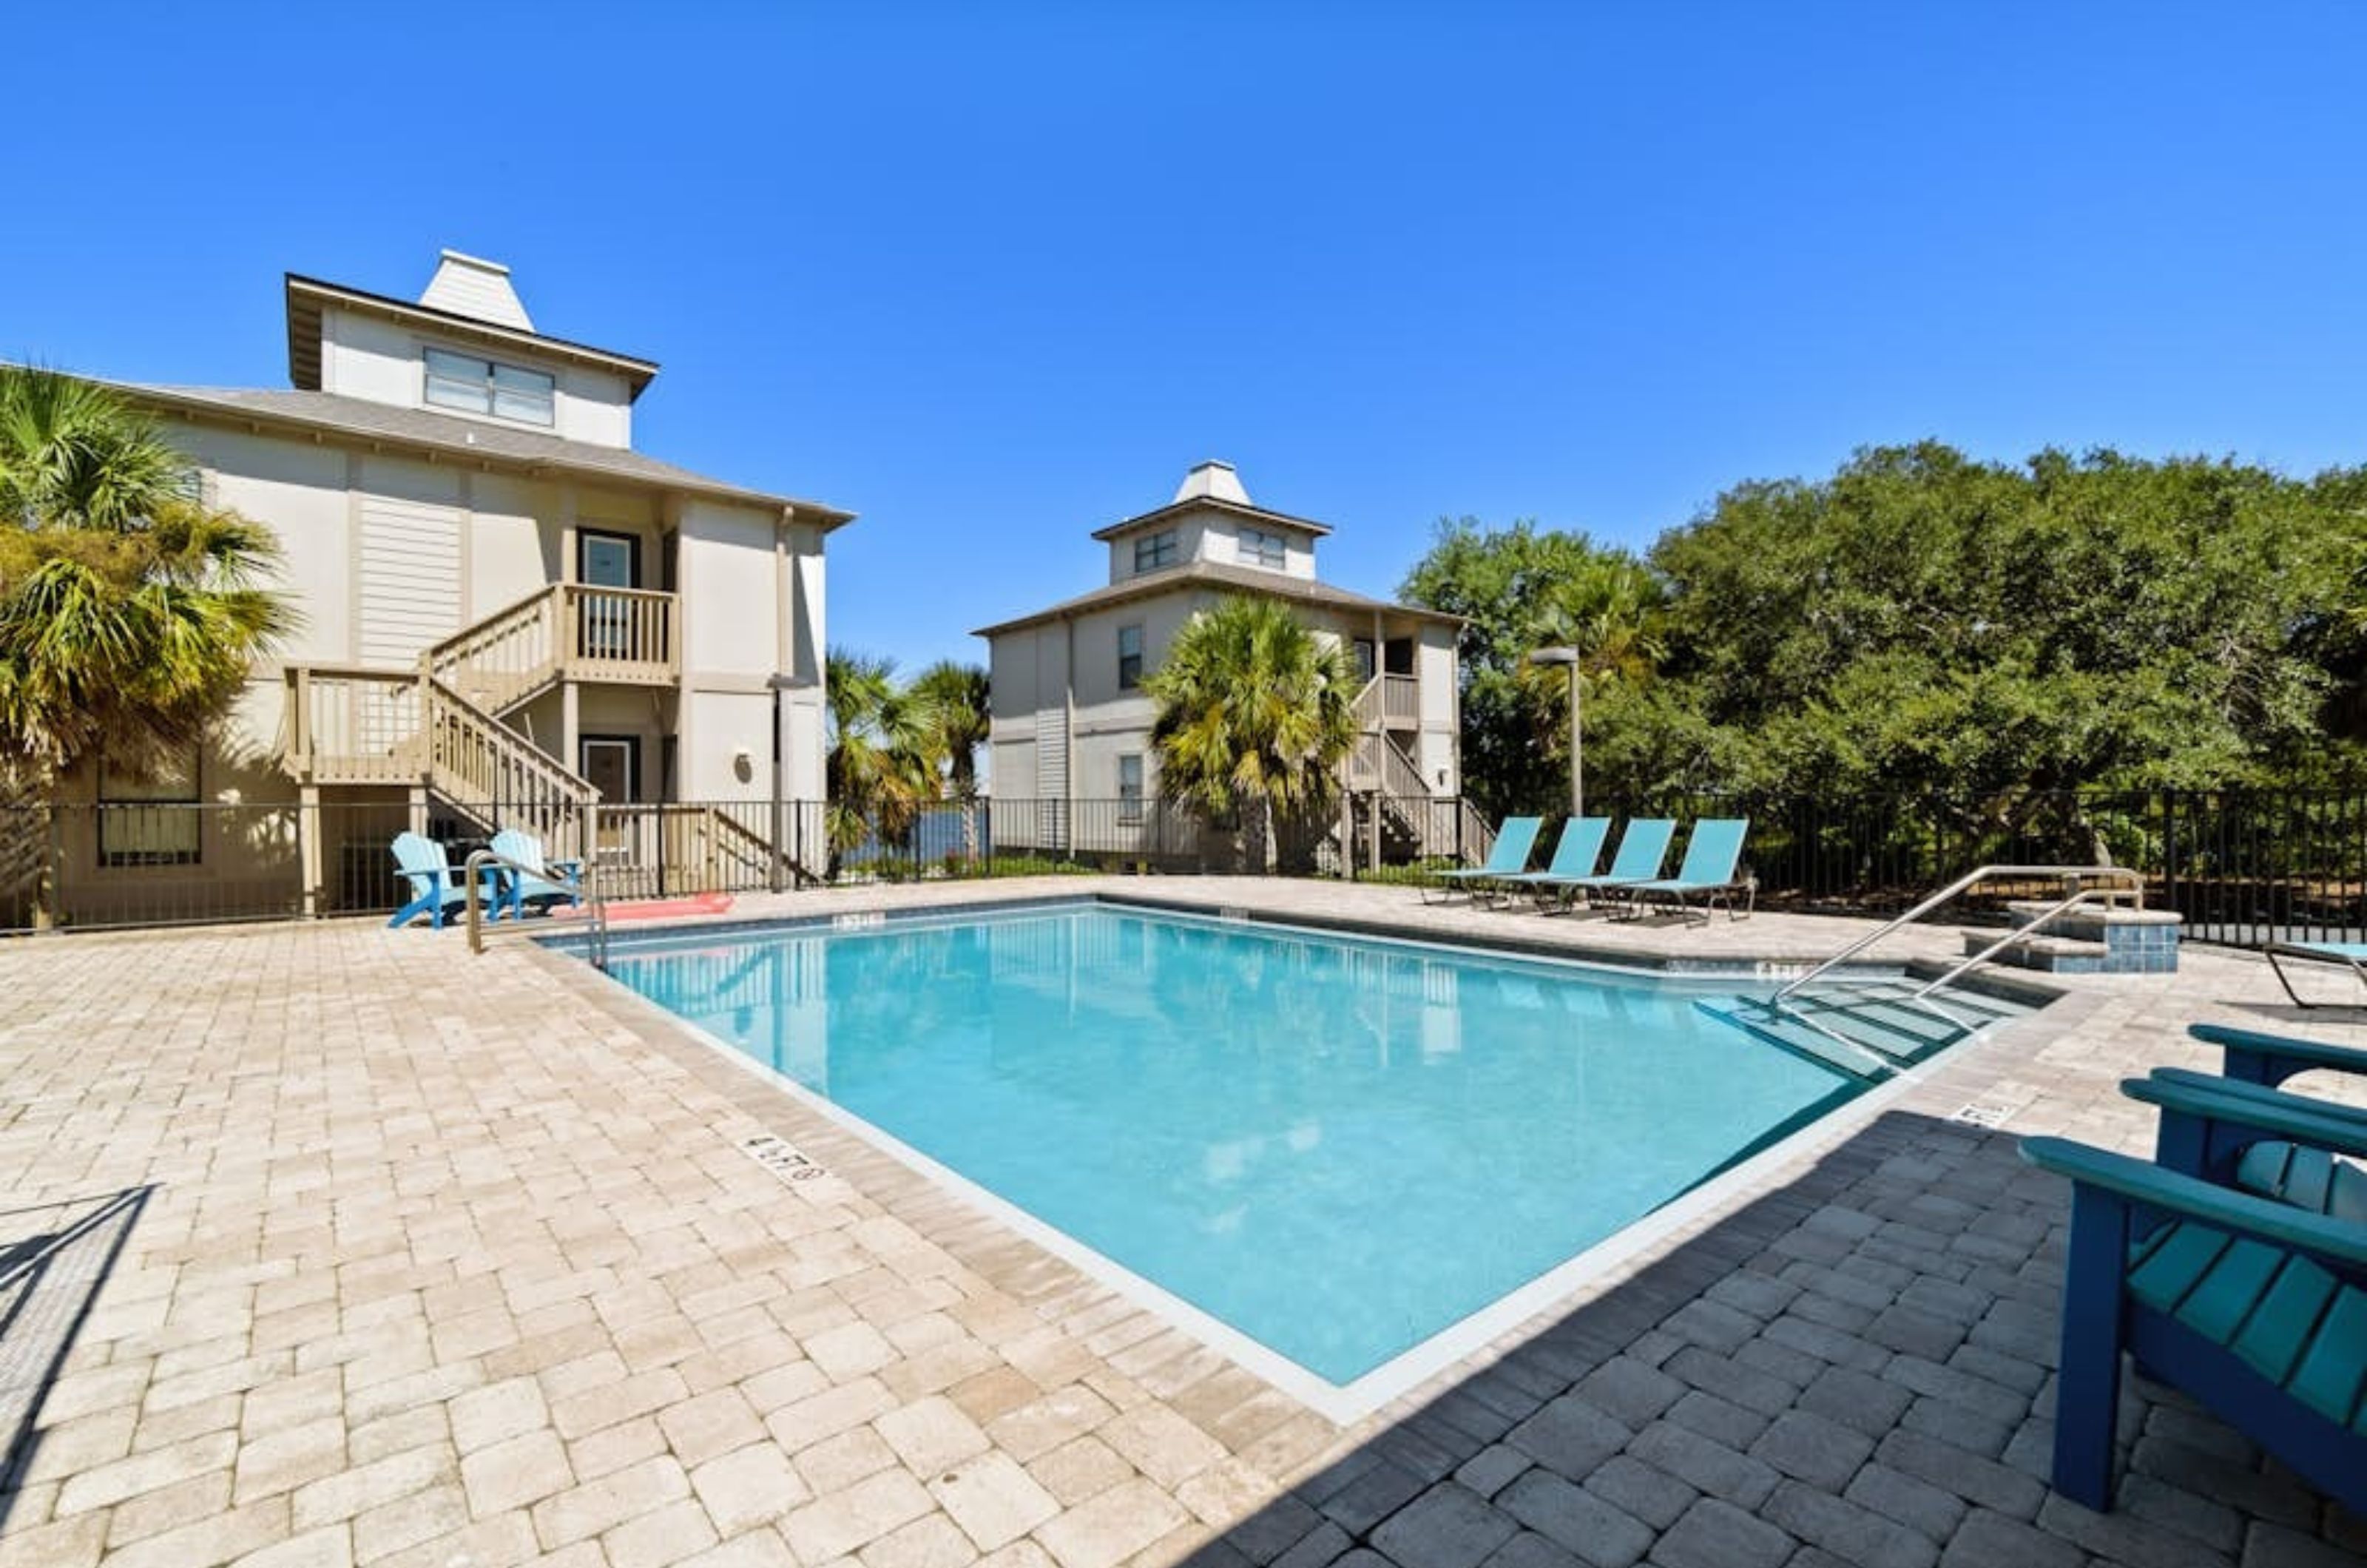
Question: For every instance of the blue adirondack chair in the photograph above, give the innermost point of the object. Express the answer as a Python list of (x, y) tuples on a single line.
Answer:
[(1508, 854), (555, 883), (437, 885), (1642, 847), (2251, 1305), (1575, 852), (2289, 1147), (1708, 872), (2252, 1055)]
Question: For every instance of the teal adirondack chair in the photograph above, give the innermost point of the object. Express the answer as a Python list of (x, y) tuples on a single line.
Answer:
[(2251, 1305), (1510, 853), (1708, 872), (436, 884), (555, 883), (1575, 852), (1642, 849)]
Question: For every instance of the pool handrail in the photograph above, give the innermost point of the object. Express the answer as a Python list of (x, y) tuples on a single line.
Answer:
[(2073, 879)]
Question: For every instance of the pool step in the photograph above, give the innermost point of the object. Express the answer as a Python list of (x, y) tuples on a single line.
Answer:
[(1868, 1031)]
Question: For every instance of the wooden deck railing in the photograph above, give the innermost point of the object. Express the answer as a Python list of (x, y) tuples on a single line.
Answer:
[(620, 634), (348, 725), (566, 631)]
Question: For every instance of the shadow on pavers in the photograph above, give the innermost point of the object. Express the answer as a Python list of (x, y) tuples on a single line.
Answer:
[(1861, 1361), (54, 1259)]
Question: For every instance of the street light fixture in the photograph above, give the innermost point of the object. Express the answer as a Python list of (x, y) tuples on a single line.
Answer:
[(1569, 656)]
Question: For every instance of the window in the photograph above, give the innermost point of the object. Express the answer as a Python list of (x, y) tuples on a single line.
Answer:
[(1129, 658), (484, 386), (1129, 788), (1155, 550), (152, 821), (1255, 546)]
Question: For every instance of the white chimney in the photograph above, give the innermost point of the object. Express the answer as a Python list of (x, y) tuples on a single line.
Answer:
[(1212, 480), (473, 286)]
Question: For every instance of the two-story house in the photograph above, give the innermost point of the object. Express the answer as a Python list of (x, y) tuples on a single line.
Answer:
[(1072, 765), (508, 614)]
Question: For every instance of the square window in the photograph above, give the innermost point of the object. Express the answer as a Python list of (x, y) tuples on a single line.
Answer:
[(1155, 550)]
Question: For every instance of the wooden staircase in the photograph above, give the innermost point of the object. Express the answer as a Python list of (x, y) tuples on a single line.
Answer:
[(441, 727), (444, 728), (1415, 821)]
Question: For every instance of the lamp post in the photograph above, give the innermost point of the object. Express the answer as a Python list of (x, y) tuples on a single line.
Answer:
[(1569, 656)]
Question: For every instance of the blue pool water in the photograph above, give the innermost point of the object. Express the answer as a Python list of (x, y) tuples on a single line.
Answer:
[(1337, 1146)]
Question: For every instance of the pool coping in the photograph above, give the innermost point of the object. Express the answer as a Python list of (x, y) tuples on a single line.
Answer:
[(1457, 1345)]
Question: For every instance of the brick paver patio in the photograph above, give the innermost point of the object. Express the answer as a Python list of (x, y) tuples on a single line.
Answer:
[(460, 1263)]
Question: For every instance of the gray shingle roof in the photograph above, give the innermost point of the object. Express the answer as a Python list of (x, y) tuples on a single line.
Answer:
[(1216, 575), (468, 437)]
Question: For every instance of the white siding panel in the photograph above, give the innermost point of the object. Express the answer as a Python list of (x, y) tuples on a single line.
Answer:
[(410, 577)]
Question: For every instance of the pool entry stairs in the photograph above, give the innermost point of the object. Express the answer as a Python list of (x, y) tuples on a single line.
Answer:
[(1868, 1027)]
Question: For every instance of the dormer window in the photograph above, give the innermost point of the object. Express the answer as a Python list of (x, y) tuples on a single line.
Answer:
[(1255, 546), (1155, 550), (463, 381)]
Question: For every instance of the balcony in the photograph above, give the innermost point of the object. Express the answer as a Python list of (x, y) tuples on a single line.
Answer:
[(1389, 702)]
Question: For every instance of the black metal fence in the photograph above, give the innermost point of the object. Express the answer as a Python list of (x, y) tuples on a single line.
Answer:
[(2242, 866)]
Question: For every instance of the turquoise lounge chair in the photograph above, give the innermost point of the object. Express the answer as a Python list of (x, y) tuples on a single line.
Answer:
[(2251, 1306), (2350, 954), (436, 884), (552, 884), (1510, 853), (1642, 847), (1575, 852), (1707, 871)]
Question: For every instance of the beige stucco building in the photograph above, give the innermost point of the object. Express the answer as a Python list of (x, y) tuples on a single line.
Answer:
[(1072, 765), (508, 614)]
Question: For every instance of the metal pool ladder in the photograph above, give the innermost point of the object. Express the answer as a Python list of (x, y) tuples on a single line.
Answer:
[(596, 904)]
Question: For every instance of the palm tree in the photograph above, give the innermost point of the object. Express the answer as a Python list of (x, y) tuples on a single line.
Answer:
[(1611, 613), (1255, 714), (130, 612), (882, 768), (953, 699)]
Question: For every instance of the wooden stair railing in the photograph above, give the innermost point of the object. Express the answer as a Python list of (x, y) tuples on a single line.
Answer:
[(505, 659), (474, 759)]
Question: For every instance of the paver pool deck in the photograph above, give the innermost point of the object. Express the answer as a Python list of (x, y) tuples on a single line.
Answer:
[(459, 1263)]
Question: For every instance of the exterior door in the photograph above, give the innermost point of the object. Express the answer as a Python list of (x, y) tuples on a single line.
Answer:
[(611, 763), (607, 561)]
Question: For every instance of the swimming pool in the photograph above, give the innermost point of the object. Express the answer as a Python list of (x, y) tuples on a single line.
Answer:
[(1335, 1147)]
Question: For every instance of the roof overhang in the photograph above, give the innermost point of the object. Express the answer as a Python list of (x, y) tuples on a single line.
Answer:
[(308, 297), (205, 411), (1175, 509), (1197, 577)]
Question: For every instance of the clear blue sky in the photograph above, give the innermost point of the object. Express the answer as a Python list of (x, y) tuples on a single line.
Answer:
[(994, 276)]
